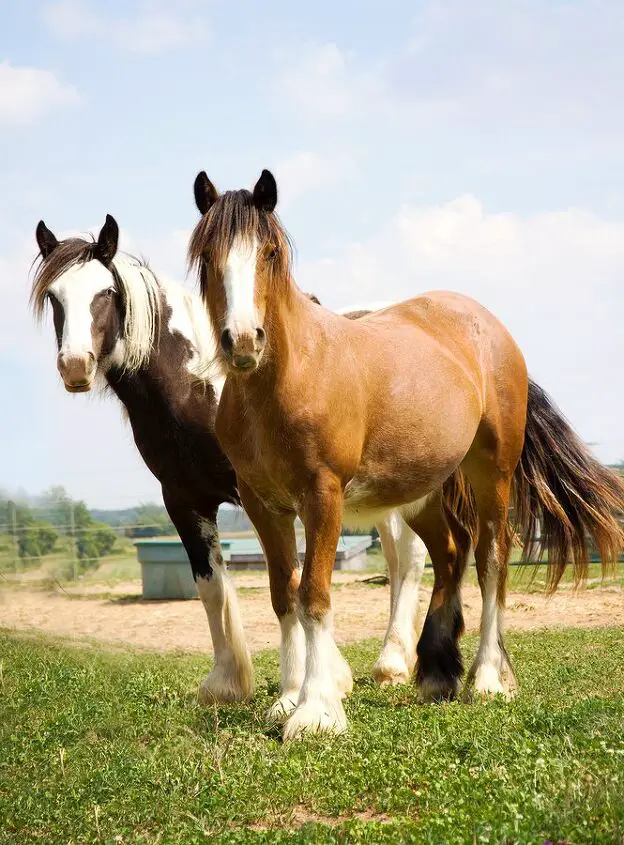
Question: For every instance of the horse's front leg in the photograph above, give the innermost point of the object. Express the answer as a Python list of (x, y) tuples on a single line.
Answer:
[(320, 702), (231, 678), (277, 536)]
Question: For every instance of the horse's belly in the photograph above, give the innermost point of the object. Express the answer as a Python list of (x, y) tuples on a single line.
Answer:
[(409, 483), (403, 470)]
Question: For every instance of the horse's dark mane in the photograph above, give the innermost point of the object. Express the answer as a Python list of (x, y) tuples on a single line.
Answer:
[(67, 254), (234, 215)]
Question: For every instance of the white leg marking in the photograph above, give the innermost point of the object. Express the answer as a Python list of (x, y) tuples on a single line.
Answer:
[(491, 672), (343, 677), (292, 667), (231, 679), (319, 707), (406, 565)]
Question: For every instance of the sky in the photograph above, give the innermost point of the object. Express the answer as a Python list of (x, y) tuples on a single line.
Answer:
[(475, 147)]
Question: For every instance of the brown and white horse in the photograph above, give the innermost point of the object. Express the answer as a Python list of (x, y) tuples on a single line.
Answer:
[(146, 338), (329, 418)]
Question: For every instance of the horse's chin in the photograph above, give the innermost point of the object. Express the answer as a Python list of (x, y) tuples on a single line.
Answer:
[(241, 365), (244, 369), (78, 388)]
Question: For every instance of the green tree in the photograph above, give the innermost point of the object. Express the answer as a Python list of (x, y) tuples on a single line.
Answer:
[(152, 521), (34, 538), (94, 541)]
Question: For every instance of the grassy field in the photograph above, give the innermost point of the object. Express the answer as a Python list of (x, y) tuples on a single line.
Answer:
[(100, 746)]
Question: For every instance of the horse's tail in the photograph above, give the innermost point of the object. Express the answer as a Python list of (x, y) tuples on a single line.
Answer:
[(559, 486), (459, 499)]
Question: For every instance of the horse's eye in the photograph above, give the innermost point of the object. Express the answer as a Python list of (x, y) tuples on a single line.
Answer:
[(272, 253), (110, 292)]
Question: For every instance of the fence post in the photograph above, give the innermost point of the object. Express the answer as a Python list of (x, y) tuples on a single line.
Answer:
[(72, 531), (16, 550)]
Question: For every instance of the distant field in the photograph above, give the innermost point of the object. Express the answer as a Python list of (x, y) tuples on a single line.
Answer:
[(109, 746), (122, 565)]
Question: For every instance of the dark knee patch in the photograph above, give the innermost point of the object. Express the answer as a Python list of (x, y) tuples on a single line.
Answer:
[(203, 562), (203, 570), (439, 658)]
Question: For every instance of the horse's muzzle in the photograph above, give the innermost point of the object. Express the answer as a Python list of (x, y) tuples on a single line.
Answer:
[(243, 352), (77, 371)]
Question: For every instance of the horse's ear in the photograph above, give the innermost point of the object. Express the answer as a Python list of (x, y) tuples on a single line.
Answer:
[(46, 239), (205, 192), (108, 240), (265, 192)]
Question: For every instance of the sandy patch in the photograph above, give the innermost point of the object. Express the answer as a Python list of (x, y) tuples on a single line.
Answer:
[(360, 610)]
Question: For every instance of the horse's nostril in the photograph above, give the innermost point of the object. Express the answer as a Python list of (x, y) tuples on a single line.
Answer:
[(260, 337), (227, 341)]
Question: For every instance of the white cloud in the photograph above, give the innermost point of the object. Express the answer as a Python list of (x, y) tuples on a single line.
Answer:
[(555, 279), (306, 172), (485, 65), (71, 18), (322, 81), (28, 93), (153, 28)]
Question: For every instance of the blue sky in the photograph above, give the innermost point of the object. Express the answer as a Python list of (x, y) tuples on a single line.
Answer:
[(472, 146)]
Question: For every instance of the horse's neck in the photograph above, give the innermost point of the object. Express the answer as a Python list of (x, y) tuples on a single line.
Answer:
[(292, 336), (150, 387), (181, 351)]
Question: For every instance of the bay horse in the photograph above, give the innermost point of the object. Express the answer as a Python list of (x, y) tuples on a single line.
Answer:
[(146, 339), (335, 419)]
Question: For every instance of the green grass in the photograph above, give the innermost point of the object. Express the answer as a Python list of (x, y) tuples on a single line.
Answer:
[(100, 746)]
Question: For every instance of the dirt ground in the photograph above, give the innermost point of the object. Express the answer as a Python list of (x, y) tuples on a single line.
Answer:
[(119, 616)]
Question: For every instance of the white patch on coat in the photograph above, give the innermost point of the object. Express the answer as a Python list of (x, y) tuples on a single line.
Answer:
[(190, 319), (358, 513)]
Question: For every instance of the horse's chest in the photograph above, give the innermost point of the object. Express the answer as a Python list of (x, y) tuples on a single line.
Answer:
[(267, 454)]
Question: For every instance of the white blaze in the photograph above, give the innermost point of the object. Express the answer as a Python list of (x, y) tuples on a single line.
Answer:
[(75, 291), (239, 277)]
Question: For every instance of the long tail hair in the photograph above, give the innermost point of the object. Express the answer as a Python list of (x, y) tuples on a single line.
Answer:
[(560, 487), (459, 498)]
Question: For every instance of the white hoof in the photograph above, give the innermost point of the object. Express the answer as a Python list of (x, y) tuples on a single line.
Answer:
[(223, 686), (343, 677), (488, 682), (316, 716), (391, 667), (283, 707)]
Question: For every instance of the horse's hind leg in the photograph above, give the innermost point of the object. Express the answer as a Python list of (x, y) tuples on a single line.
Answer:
[(491, 672), (448, 542), (405, 554)]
